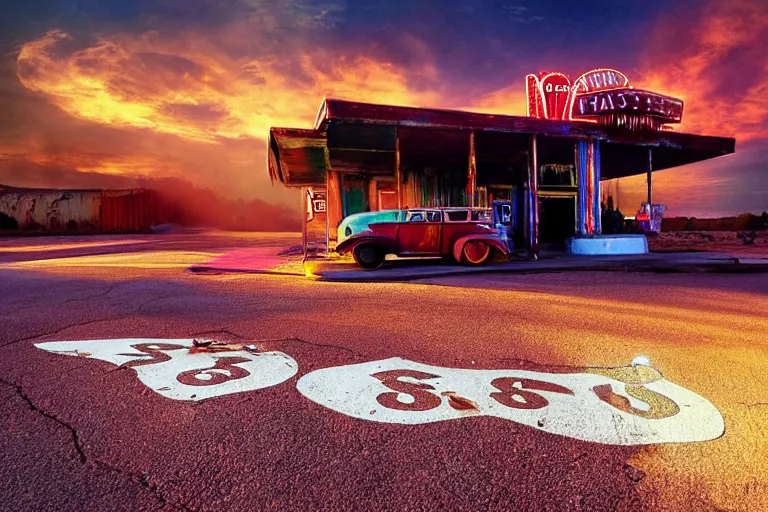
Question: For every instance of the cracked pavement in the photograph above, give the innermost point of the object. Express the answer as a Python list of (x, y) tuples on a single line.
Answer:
[(79, 435)]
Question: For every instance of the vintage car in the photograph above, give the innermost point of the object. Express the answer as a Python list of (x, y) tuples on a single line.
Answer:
[(464, 234)]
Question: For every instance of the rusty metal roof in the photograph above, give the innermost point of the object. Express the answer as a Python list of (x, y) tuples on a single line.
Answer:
[(349, 111), (296, 157), (362, 135)]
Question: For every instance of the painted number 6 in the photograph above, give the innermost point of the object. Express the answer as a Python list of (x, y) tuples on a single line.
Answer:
[(223, 371), (516, 393), (421, 398)]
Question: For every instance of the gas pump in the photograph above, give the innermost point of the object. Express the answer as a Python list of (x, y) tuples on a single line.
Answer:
[(503, 221)]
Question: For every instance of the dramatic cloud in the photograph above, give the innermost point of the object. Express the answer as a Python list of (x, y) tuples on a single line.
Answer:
[(195, 91), (715, 61), (717, 64), (190, 93)]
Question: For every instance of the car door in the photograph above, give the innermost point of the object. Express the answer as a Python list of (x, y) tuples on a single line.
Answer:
[(419, 233)]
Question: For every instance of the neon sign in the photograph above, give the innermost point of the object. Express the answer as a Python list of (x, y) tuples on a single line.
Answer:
[(628, 101), (548, 95), (601, 80), (602, 96)]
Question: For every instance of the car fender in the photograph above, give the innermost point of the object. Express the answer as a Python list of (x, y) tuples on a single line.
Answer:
[(494, 241), (350, 243)]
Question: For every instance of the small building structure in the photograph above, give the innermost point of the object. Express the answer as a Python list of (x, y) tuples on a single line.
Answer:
[(54, 211), (547, 165)]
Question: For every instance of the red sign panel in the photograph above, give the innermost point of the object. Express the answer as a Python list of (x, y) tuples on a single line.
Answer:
[(548, 95), (556, 89), (628, 101)]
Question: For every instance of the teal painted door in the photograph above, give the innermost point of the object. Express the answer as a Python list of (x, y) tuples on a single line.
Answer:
[(353, 200)]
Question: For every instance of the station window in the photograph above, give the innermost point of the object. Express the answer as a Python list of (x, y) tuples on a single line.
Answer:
[(554, 175)]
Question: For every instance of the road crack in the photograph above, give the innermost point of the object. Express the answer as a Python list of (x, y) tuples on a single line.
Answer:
[(99, 295), (145, 484), (141, 480), (219, 331), (138, 310), (320, 345), (57, 331), (73, 432)]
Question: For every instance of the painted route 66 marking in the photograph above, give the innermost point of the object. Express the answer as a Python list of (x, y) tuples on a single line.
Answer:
[(170, 369), (620, 406)]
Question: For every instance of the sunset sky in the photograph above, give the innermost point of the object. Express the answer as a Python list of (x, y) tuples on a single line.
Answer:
[(97, 93)]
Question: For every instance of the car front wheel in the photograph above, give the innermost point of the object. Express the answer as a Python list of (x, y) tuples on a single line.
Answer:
[(368, 256), (475, 252)]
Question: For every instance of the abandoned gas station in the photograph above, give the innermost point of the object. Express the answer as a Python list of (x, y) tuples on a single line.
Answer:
[(547, 165)]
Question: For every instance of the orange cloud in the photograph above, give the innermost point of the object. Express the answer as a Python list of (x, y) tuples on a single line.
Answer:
[(196, 91), (199, 104), (507, 101), (718, 67)]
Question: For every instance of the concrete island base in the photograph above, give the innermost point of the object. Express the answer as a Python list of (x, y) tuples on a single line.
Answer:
[(607, 245)]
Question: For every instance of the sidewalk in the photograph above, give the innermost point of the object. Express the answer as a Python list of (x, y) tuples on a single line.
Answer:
[(263, 260), (654, 262)]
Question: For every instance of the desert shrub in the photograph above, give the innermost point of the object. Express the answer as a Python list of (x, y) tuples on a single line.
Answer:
[(747, 221), (747, 237)]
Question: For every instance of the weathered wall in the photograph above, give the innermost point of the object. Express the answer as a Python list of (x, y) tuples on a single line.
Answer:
[(82, 211), (52, 210)]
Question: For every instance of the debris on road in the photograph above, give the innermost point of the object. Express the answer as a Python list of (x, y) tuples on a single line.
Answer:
[(206, 345), (460, 403)]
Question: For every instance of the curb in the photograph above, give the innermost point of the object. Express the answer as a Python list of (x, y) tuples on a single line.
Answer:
[(727, 267), (715, 268), (216, 270)]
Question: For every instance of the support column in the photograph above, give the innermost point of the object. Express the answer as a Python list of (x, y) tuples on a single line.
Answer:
[(582, 164), (533, 199), (333, 207), (597, 195), (398, 172), (590, 199), (650, 176), (305, 208), (472, 174)]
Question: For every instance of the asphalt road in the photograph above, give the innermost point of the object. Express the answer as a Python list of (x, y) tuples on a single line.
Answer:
[(83, 434)]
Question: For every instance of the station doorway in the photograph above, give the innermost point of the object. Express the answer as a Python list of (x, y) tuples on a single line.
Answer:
[(557, 220)]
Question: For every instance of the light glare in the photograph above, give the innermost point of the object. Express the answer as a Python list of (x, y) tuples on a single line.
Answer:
[(641, 361)]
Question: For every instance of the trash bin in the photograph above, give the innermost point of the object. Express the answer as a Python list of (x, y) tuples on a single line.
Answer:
[(649, 217)]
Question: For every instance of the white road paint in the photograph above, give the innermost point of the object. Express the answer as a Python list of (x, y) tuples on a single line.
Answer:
[(167, 367), (672, 413)]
